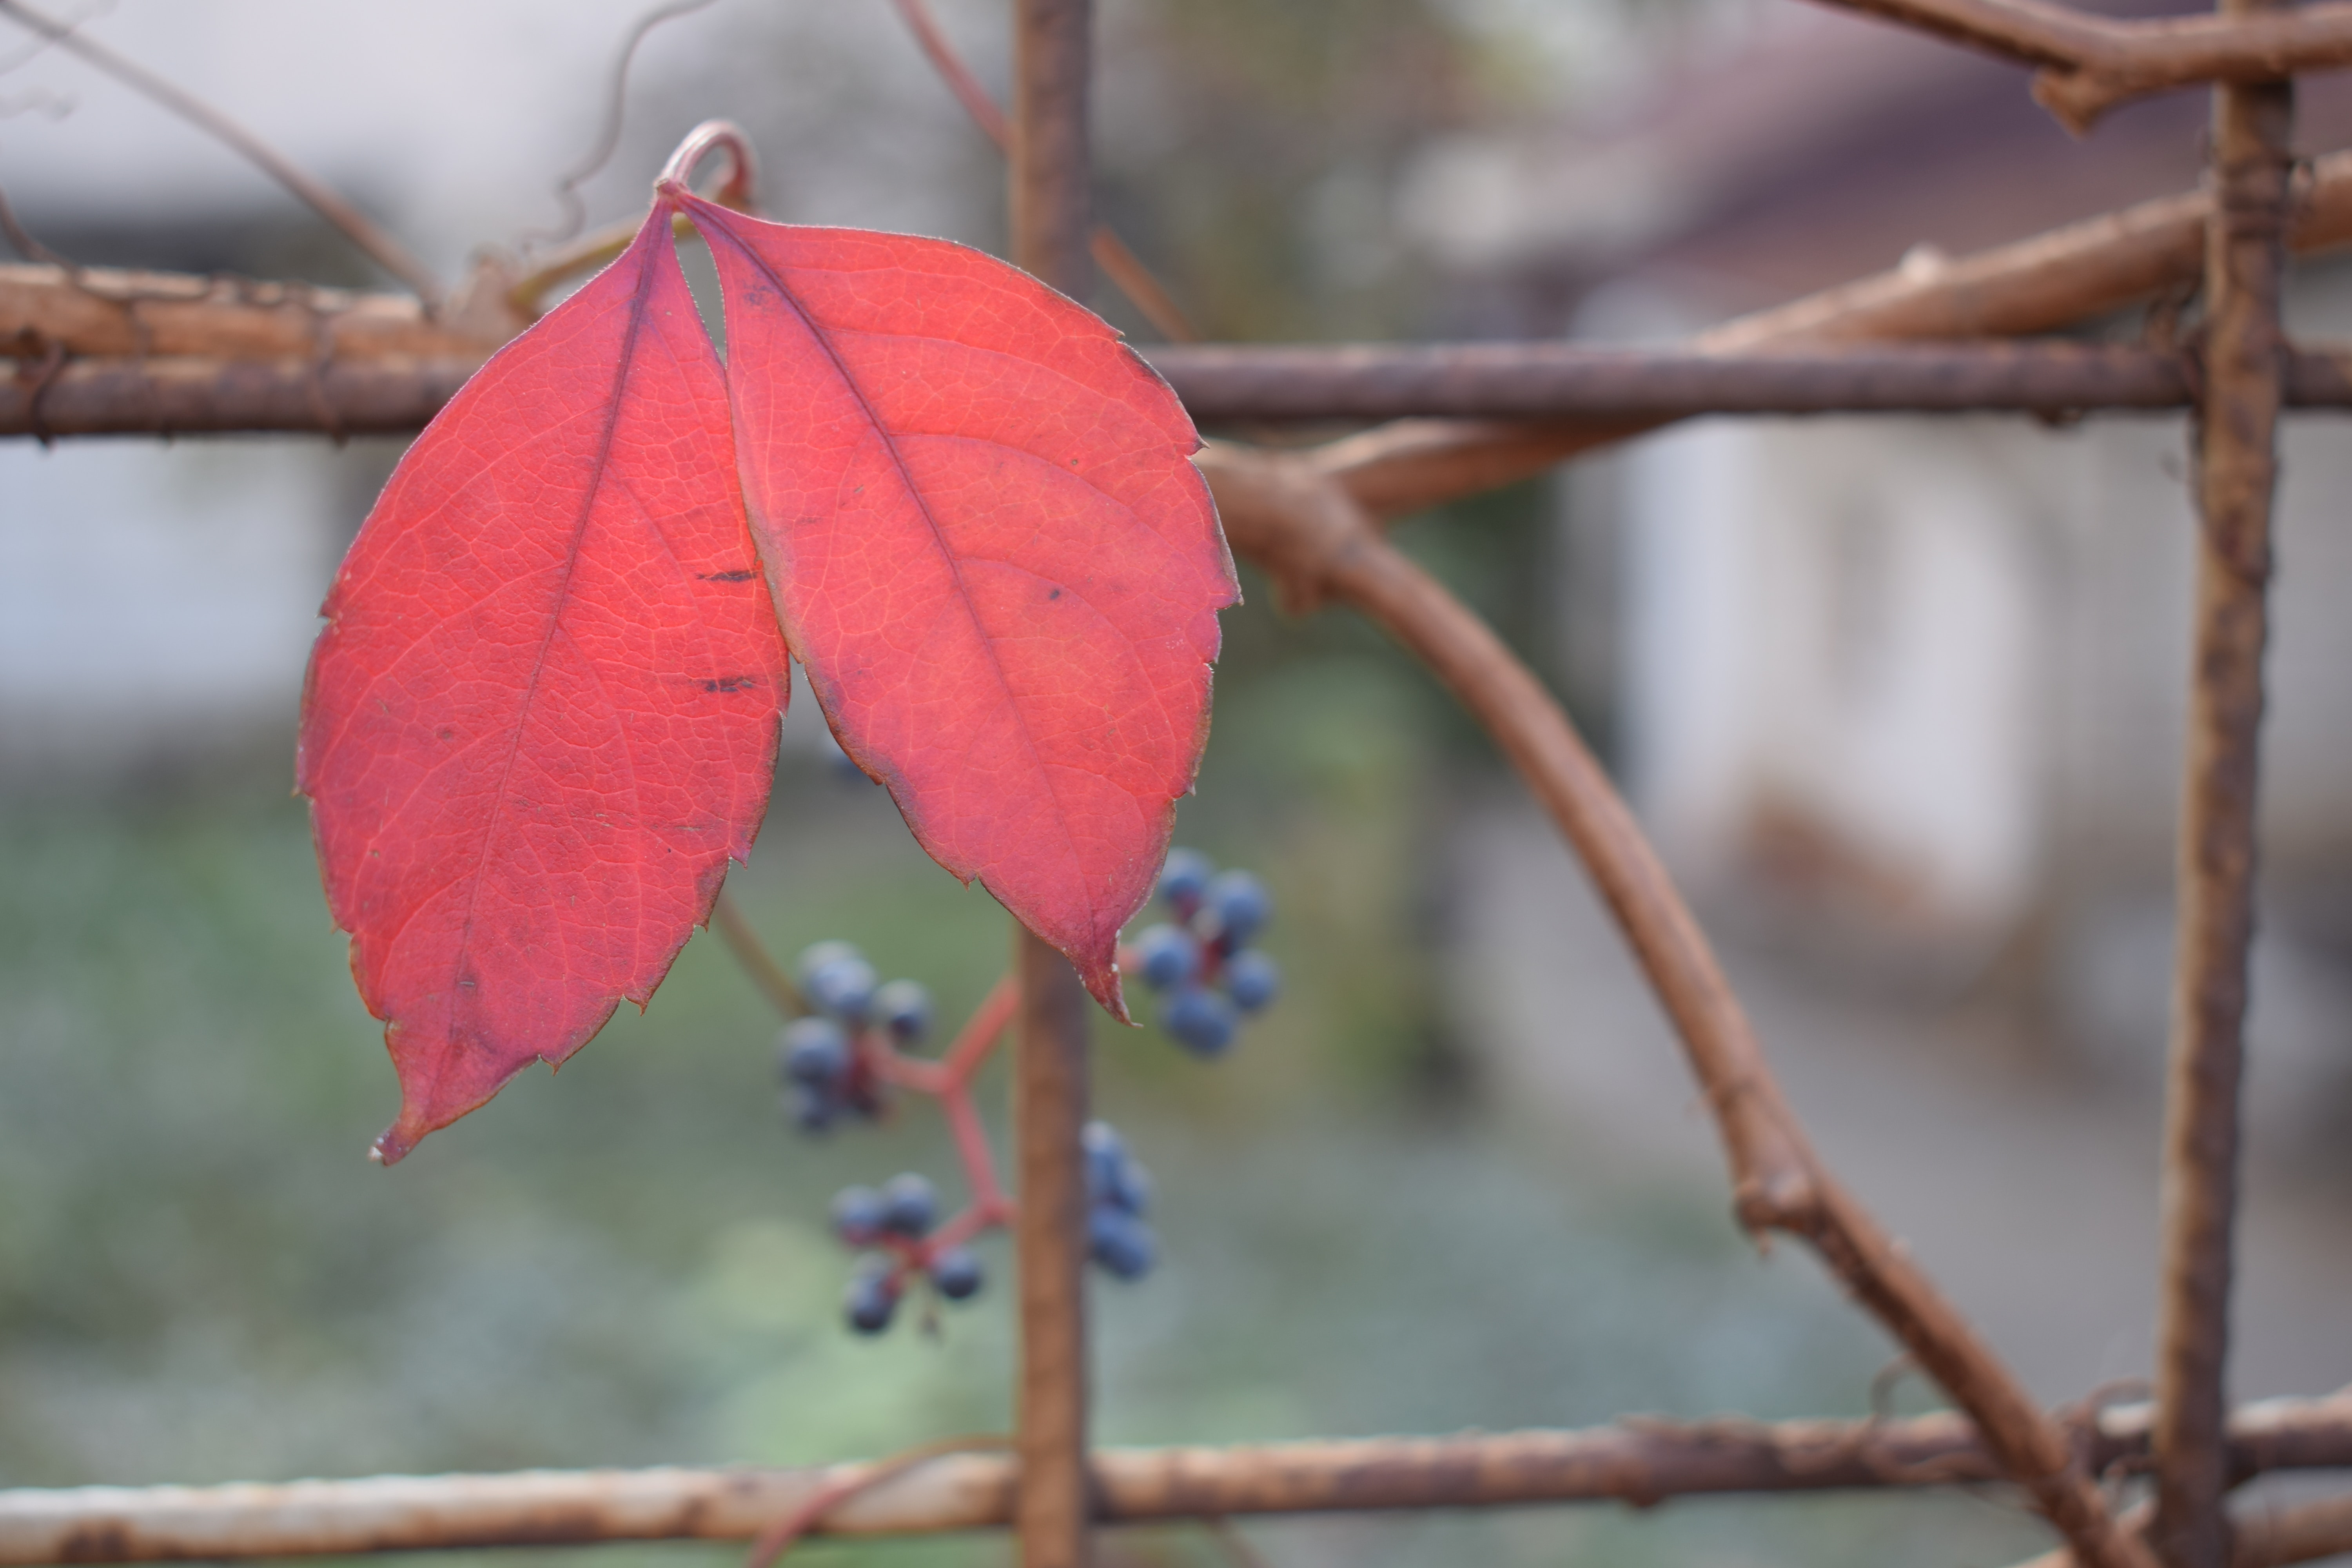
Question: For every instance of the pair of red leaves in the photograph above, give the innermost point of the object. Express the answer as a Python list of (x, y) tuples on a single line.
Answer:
[(542, 715)]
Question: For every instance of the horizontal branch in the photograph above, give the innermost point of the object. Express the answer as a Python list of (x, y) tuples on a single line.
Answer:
[(382, 396), (2090, 64), (2305, 1533), (96, 310), (1635, 1462), (1223, 382), (2041, 284), (50, 320), (1547, 379), (2262, 1535)]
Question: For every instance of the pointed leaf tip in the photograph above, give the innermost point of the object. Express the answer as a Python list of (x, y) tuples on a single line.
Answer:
[(990, 550), (543, 712)]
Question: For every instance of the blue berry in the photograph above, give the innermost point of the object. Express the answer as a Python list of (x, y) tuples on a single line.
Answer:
[(957, 1273), (905, 1009), (872, 1296), (1104, 1148), (809, 1107), (1120, 1243), (1167, 955), (858, 1216), (842, 986), (908, 1206), (818, 954), (1199, 1020), (1238, 904), (1113, 1177), (1184, 877), (814, 1051), (1253, 980)]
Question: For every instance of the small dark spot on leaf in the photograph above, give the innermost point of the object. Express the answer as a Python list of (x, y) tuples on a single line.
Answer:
[(731, 683), (739, 576), (1055, 595), (447, 734)]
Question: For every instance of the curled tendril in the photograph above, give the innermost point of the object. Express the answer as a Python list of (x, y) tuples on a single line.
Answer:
[(608, 138), (736, 191)]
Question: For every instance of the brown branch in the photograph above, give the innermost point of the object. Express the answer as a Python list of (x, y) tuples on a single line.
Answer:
[(1229, 382), (98, 311), (1636, 1462), (208, 397), (2237, 472), (1304, 528), (2088, 64), (2036, 285), (353, 224), (2260, 1537), (2041, 284), (2272, 1537)]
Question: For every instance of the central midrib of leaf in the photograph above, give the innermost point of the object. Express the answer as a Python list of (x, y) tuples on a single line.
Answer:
[(589, 494), (922, 504)]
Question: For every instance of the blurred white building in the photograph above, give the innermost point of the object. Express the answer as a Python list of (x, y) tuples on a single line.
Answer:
[(1904, 694)]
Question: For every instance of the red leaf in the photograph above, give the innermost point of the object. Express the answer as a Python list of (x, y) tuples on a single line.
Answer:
[(989, 550), (543, 712)]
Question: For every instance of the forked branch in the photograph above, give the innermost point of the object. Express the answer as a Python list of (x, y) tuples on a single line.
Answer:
[(2088, 64), (2049, 281), (1303, 527)]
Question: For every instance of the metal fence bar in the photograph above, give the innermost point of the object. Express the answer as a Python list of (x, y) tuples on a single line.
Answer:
[(1636, 1463), (2237, 472), (1050, 175), (122, 395)]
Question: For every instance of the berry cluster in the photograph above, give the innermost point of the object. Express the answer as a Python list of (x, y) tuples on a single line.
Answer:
[(840, 1062), (826, 1076), (893, 1225), (1119, 1207), (843, 1060), (1204, 961)]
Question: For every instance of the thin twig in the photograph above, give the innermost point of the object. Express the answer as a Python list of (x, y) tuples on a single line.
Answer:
[(2237, 468), (608, 136), (355, 226), (1120, 265), (809, 1514), (744, 940), (21, 241)]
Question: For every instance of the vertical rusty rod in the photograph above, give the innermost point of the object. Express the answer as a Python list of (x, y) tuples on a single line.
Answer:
[(1053, 209), (2237, 471), (1052, 1511), (1052, 161)]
